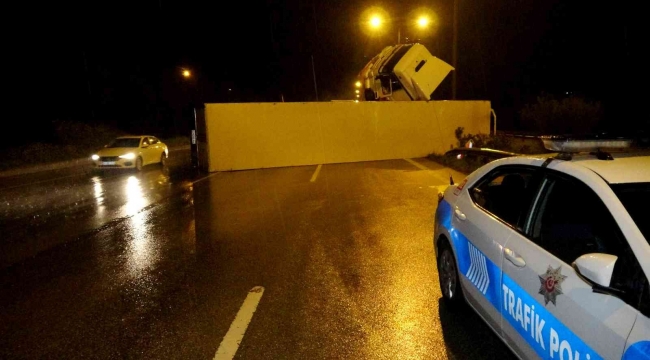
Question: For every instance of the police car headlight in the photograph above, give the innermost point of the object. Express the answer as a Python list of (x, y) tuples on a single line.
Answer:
[(129, 156), (95, 157)]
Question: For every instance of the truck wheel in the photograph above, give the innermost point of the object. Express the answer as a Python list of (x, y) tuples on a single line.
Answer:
[(369, 95)]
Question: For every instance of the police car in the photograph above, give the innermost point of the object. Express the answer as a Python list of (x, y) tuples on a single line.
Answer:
[(553, 253)]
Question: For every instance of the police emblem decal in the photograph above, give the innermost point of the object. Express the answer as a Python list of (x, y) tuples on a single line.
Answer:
[(551, 284)]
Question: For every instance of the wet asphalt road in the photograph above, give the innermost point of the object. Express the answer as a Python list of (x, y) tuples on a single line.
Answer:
[(156, 265)]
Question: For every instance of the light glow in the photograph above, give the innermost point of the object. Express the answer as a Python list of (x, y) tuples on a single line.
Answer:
[(375, 21), (423, 22), (129, 156)]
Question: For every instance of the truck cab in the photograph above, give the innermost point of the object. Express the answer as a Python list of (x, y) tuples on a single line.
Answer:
[(404, 72)]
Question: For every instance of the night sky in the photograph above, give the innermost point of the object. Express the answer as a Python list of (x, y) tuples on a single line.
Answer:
[(119, 63)]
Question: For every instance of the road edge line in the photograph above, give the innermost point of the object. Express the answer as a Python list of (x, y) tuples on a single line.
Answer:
[(203, 178), (417, 165), (313, 177)]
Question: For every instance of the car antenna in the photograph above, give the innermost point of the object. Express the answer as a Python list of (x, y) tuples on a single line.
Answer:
[(451, 180)]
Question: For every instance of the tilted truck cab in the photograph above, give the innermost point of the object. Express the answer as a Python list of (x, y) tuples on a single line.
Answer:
[(405, 72)]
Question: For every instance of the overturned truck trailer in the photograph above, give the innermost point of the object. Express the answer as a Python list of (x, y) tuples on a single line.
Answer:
[(405, 72)]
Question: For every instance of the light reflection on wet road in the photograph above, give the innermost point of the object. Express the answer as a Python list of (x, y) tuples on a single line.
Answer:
[(152, 266), (53, 211)]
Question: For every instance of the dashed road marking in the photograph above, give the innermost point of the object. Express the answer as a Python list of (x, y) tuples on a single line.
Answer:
[(313, 177), (235, 334), (417, 165)]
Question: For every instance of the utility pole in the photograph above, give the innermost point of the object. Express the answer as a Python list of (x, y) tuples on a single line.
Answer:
[(313, 69), (89, 87), (454, 55)]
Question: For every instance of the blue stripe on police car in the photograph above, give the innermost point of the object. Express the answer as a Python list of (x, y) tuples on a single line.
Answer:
[(638, 351)]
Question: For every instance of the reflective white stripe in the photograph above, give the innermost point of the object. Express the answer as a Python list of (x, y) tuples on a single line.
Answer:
[(470, 271), (478, 273)]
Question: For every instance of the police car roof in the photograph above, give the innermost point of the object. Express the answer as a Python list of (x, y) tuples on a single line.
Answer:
[(627, 167)]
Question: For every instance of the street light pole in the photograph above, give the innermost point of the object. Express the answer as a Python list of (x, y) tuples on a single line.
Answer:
[(454, 55), (194, 98)]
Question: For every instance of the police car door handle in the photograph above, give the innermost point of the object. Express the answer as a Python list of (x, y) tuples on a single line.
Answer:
[(460, 215), (512, 256)]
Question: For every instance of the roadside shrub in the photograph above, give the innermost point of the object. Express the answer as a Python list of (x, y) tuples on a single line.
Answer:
[(500, 142), (84, 136), (497, 142), (569, 116), (72, 140)]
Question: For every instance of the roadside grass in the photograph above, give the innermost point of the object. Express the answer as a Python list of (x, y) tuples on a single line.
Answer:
[(73, 141)]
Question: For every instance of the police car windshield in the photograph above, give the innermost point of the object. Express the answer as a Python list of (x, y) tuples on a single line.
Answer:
[(636, 199)]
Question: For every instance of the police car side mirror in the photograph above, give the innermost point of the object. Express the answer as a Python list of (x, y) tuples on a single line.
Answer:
[(596, 270)]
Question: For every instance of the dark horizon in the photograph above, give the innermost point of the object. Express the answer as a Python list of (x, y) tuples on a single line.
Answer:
[(98, 68)]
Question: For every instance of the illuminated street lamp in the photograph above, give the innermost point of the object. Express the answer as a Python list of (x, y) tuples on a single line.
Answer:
[(186, 73), (423, 22), (358, 84), (375, 21), (356, 91)]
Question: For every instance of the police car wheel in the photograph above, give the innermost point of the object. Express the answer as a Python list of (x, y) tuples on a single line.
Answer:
[(448, 275)]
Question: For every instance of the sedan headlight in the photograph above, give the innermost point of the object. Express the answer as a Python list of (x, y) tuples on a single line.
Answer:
[(129, 156), (95, 157)]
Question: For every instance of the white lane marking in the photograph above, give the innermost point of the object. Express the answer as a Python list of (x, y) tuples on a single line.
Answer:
[(313, 177), (203, 178), (417, 165), (235, 334)]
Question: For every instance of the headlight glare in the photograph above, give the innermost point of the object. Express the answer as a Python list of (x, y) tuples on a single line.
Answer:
[(129, 156), (95, 157)]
